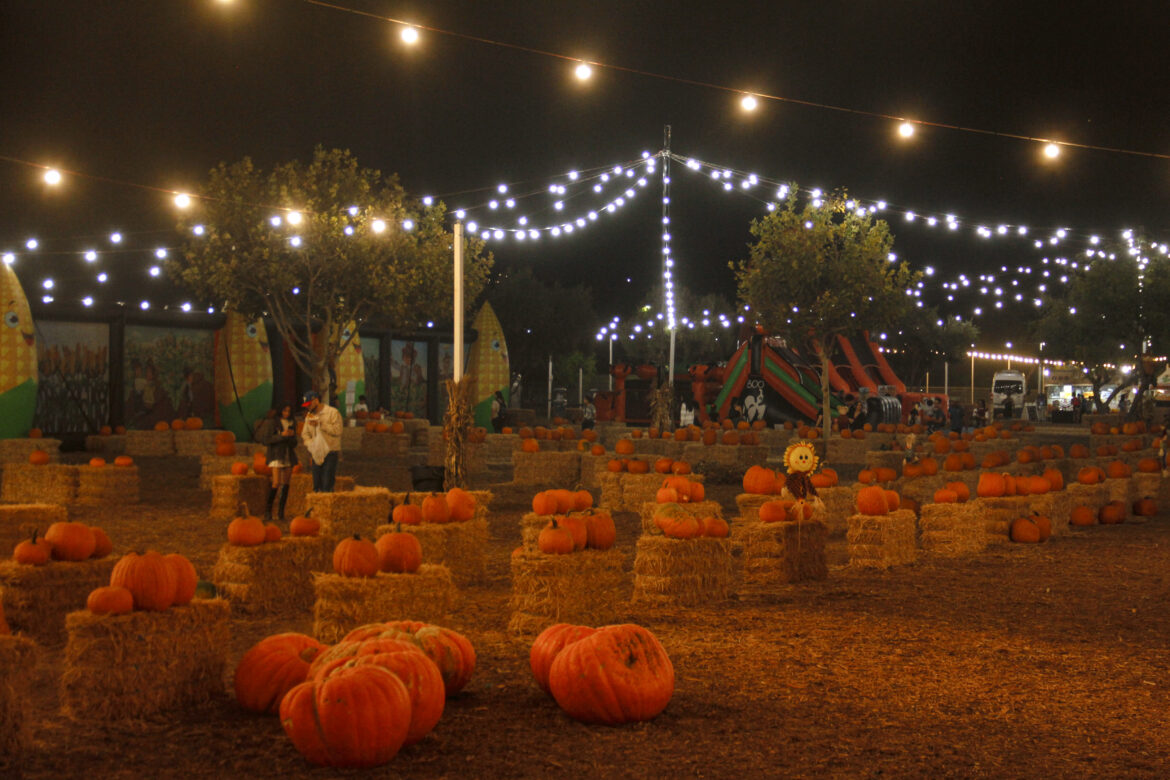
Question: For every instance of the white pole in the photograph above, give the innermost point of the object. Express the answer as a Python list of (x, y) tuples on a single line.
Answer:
[(972, 378), (580, 385), (927, 390), (670, 376), (549, 414), (946, 378), (458, 347), (611, 362)]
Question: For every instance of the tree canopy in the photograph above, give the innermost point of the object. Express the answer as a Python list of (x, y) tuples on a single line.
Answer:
[(924, 333), (817, 271), (694, 342), (322, 246)]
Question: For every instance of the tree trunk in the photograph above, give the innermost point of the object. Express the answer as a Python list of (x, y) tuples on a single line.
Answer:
[(826, 414)]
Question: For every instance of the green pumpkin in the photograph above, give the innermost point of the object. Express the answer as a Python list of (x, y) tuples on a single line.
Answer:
[(205, 590)]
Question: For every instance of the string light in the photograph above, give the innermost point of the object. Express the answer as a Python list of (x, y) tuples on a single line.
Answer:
[(1051, 151), (749, 103), (583, 72), (409, 35), (52, 177), (906, 130), (183, 200)]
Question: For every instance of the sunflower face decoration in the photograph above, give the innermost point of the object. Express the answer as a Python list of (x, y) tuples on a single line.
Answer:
[(800, 458)]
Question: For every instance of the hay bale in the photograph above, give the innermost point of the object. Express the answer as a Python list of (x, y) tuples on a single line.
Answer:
[(584, 588), (18, 521), (483, 499), (228, 491), (384, 445), (885, 459), (192, 444), (114, 444), (546, 468), (1056, 505), (36, 599), (18, 659), (301, 485), (593, 468), (211, 465), (840, 503), (682, 572), (19, 450), (749, 505), (498, 447), (780, 553), (1151, 485), (1120, 489), (998, 514), (110, 485), (882, 541), (698, 509), (150, 443), (731, 455), (922, 489), (53, 483), (144, 663), (274, 578), (358, 511), (351, 438), (460, 547), (850, 450), (344, 603), (1092, 496), (952, 529)]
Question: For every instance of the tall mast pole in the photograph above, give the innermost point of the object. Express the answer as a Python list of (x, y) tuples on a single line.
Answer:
[(667, 259)]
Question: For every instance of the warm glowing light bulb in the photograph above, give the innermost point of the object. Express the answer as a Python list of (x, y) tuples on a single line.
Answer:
[(583, 72), (409, 35), (378, 226), (1051, 151), (182, 200), (749, 103), (293, 217), (906, 129), (53, 176)]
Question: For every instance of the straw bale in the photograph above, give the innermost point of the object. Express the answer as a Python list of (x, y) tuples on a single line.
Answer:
[(952, 529), (18, 450), (272, 578), (351, 438), (1120, 489), (885, 459), (344, 603), (301, 485), (18, 521), (18, 658), (195, 443), (483, 498), (417, 428), (738, 455), (384, 445), (461, 547), (1154, 486), (839, 503), (749, 505), (37, 598), (500, 446), (144, 663), (584, 588), (848, 450), (1117, 441), (593, 467), (211, 465), (682, 572), (228, 491), (780, 553), (1092, 496), (882, 541), (922, 489), (53, 483), (1056, 505), (111, 485), (625, 492), (114, 444), (358, 511), (699, 509), (546, 468), (998, 514), (139, 443)]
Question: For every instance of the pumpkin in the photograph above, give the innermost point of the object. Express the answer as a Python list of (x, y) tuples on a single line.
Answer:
[(1117, 470), (450, 650), (355, 557), (548, 644), (564, 498), (271, 532), (35, 433), (1088, 476), (893, 500), (961, 491), (680, 467), (71, 541), (530, 445), (38, 457), (105, 430), (436, 510), (161, 426), (110, 600), (716, 527), (1055, 479), (885, 474), (866, 477), (614, 466), (306, 525), (185, 578), (1037, 486), (356, 717), (685, 527), (638, 467), (912, 470), (582, 500), (123, 461), (575, 525), (1024, 530), (710, 436), (759, 480), (460, 505), (34, 552), (102, 546), (1082, 515), (245, 530), (1145, 507), (1112, 513), (872, 500), (945, 496), (271, 668), (773, 512), (97, 463), (666, 495), (821, 480), (1148, 465), (407, 514), (544, 503), (600, 530), (929, 468), (662, 465), (1044, 524), (618, 674), (554, 539), (624, 447), (597, 449), (399, 552), (991, 485), (148, 577), (239, 469)]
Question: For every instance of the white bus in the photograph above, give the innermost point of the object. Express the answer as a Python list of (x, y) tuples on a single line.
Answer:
[(1005, 382)]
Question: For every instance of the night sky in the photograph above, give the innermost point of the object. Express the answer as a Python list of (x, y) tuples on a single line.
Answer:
[(155, 92)]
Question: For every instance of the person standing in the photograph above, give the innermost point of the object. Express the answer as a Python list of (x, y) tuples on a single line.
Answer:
[(956, 414), (322, 437), (279, 434), (498, 406), (588, 414), (1009, 406)]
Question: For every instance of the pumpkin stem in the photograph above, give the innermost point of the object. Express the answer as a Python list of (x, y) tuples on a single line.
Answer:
[(398, 528), (34, 536)]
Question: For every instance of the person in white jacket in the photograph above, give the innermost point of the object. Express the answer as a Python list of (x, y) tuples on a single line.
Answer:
[(322, 437)]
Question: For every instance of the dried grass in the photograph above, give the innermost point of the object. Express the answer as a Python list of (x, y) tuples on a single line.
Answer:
[(697, 509), (1121, 489), (150, 443), (1154, 486), (583, 587), (1092, 496), (998, 513), (301, 485), (682, 572), (344, 603), (1056, 505), (53, 483), (272, 578), (952, 529), (498, 447), (881, 541), (735, 455), (144, 663), (749, 505), (18, 659), (922, 489), (110, 485), (18, 450), (555, 469), (461, 547), (114, 444), (18, 521), (211, 466), (384, 445), (195, 443), (359, 511), (840, 503), (37, 598), (781, 553), (228, 491)]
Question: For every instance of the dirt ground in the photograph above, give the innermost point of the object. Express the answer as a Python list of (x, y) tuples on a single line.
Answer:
[(1048, 661)]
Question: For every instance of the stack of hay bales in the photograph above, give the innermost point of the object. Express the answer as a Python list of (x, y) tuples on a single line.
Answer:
[(344, 603), (359, 511), (1056, 505), (432, 439), (922, 489), (144, 663), (952, 529), (731, 455), (841, 450), (384, 444), (351, 438), (459, 547), (301, 485), (881, 541), (781, 553), (150, 443), (193, 444), (696, 509), (53, 483), (108, 484), (211, 465), (498, 447), (583, 587), (840, 502), (18, 450), (682, 572), (1092, 496), (624, 492), (36, 599), (885, 459), (998, 513), (1120, 489), (546, 468), (272, 578), (419, 430), (228, 491), (1152, 485), (107, 445), (593, 468), (18, 660), (18, 521)]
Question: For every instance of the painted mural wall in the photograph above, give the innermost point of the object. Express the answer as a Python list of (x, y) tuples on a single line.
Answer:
[(73, 359)]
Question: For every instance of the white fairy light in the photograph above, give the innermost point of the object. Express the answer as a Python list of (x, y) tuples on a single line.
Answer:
[(115, 238), (90, 256)]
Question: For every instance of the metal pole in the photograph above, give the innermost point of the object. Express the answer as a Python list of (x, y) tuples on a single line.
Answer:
[(549, 413), (580, 385), (458, 346), (972, 378), (946, 378), (611, 361), (927, 390), (667, 258)]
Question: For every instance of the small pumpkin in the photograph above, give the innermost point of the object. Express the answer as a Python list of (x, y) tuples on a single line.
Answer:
[(32, 552), (102, 546), (245, 530), (38, 457), (97, 463), (1082, 516), (460, 505), (436, 510), (123, 461), (1024, 530), (600, 531), (554, 539), (305, 525), (407, 514), (271, 532), (356, 557), (399, 552), (71, 541), (110, 600)]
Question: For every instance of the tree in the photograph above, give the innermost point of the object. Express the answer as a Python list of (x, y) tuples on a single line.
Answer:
[(923, 333), (819, 271), (694, 342), (321, 246)]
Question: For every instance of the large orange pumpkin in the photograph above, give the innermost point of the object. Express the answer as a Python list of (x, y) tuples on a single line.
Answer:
[(872, 500), (273, 667), (1082, 515), (148, 577), (71, 541), (990, 485), (356, 557)]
